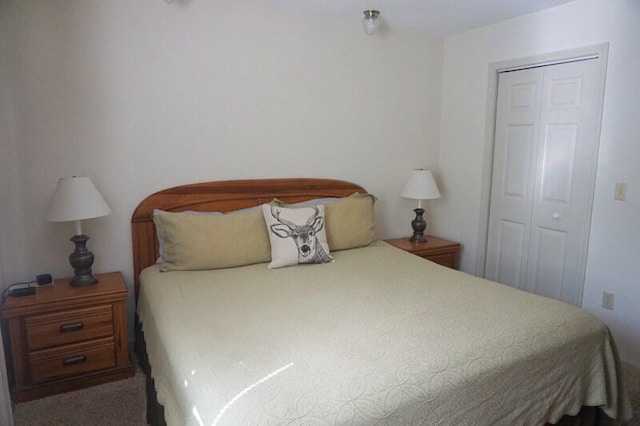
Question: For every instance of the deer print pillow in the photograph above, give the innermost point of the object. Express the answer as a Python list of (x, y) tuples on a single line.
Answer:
[(297, 236)]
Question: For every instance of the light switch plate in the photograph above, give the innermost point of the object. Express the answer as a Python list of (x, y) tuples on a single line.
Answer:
[(608, 300), (621, 191)]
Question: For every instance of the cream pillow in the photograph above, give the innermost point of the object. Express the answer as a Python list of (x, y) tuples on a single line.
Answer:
[(193, 242), (297, 236), (349, 220), (161, 240)]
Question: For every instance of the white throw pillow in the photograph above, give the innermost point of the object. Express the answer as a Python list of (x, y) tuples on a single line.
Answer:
[(297, 236)]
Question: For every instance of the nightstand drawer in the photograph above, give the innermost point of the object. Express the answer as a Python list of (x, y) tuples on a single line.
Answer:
[(448, 260), (439, 250), (71, 360), (62, 328)]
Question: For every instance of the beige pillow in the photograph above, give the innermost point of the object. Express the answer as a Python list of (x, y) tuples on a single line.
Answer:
[(350, 221), (297, 235), (159, 237), (212, 242)]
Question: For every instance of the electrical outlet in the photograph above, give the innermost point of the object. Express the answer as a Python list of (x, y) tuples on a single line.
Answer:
[(607, 300)]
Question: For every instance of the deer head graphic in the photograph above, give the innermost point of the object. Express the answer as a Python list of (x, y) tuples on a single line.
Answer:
[(305, 236)]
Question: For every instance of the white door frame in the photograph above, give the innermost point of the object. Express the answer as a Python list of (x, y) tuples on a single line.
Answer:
[(601, 50)]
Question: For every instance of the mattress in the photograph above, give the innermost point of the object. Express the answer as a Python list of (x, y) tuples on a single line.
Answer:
[(379, 337)]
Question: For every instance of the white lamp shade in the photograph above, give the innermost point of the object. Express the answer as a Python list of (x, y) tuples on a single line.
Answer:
[(420, 186), (76, 198)]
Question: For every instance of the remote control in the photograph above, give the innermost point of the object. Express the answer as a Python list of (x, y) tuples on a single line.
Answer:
[(24, 291)]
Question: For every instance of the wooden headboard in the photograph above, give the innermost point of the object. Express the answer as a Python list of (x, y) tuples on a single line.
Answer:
[(221, 196)]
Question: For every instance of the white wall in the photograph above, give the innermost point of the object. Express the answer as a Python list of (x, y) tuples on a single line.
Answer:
[(142, 95), (614, 246), (8, 211), (12, 265)]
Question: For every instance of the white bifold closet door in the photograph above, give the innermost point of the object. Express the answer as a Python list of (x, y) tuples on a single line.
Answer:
[(545, 155)]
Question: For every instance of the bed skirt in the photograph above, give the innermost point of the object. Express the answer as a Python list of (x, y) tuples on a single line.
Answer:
[(155, 411), (588, 416)]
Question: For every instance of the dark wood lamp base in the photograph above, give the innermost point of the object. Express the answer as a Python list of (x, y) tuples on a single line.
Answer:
[(419, 225)]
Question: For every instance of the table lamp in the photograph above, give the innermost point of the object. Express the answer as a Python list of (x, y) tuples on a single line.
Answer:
[(76, 199), (420, 186)]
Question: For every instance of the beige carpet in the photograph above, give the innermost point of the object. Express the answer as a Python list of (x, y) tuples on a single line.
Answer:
[(123, 403), (116, 403), (632, 384)]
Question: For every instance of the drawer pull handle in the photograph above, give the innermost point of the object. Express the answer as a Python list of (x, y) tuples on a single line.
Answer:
[(74, 326), (77, 359)]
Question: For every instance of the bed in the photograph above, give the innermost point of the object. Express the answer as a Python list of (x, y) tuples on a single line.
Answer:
[(370, 336)]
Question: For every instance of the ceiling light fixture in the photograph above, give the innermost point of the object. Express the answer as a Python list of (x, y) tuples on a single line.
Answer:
[(370, 22)]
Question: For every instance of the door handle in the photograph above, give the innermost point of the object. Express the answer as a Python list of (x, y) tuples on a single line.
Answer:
[(77, 359), (555, 216), (74, 326)]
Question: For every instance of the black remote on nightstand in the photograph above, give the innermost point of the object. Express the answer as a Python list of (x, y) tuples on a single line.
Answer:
[(22, 291)]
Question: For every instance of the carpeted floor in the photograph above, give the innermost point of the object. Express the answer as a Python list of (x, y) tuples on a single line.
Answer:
[(632, 384), (116, 403), (123, 403)]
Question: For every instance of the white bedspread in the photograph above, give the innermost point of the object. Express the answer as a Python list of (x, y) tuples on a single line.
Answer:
[(378, 337)]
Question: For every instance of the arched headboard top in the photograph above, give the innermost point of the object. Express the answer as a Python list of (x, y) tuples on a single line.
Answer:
[(222, 196)]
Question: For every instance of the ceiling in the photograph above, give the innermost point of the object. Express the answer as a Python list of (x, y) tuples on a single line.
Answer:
[(428, 17)]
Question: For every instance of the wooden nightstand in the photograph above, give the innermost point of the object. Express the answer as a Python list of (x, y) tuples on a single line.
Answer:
[(436, 249), (65, 338)]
